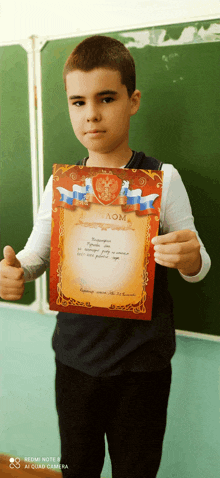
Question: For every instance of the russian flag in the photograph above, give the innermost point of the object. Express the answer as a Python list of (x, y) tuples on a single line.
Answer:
[(145, 202), (78, 192)]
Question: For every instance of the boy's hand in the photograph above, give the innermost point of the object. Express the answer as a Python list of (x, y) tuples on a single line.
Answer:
[(11, 276), (179, 250)]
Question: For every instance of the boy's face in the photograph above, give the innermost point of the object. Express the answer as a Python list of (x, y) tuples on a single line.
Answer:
[(100, 109)]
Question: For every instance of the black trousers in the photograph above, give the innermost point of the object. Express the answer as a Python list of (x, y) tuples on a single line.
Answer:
[(130, 409)]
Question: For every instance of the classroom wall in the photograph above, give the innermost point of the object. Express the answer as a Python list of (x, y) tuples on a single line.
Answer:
[(23, 18), (29, 426), (192, 441)]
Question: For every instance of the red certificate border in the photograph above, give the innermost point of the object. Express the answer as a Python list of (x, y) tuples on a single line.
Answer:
[(66, 175)]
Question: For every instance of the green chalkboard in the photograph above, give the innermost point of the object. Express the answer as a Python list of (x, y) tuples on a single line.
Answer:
[(15, 156), (178, 73)]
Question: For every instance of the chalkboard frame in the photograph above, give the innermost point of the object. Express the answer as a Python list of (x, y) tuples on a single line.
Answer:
[(35, 59)]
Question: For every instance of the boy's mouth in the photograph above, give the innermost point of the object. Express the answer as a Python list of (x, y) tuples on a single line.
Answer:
[(93, 131)]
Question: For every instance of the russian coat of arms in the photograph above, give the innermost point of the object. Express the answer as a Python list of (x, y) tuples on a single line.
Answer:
[(106, 188)]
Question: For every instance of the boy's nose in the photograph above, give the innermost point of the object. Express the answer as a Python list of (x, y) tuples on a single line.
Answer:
[(93, 114)]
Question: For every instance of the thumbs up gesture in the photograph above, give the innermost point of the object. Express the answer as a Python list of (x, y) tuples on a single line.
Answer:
[(11, 276)]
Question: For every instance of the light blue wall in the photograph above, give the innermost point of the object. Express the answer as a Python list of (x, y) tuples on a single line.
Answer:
[(28, 416), (192, 441)]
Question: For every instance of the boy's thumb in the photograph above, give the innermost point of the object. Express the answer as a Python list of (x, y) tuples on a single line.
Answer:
[(10, 257)]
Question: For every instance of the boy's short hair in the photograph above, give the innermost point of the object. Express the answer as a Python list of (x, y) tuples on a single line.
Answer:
[(103, 52)]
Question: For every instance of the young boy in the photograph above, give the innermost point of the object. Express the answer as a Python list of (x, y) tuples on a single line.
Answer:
[(113, 375)]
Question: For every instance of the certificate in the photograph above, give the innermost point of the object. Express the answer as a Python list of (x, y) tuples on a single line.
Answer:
[(102, 260)]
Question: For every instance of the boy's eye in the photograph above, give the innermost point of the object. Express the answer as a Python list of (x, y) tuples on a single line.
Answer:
[(108, 99), (78, 103)]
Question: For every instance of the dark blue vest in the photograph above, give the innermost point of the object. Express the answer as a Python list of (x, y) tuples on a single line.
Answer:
[(103, 346)]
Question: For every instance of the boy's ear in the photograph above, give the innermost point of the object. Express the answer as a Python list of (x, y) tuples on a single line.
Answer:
[(135, 102)]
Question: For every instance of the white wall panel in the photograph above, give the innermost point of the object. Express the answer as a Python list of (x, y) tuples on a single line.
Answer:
[(23, 18)]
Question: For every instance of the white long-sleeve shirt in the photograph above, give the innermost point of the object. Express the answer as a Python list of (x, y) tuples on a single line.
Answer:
[(176, 214)]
